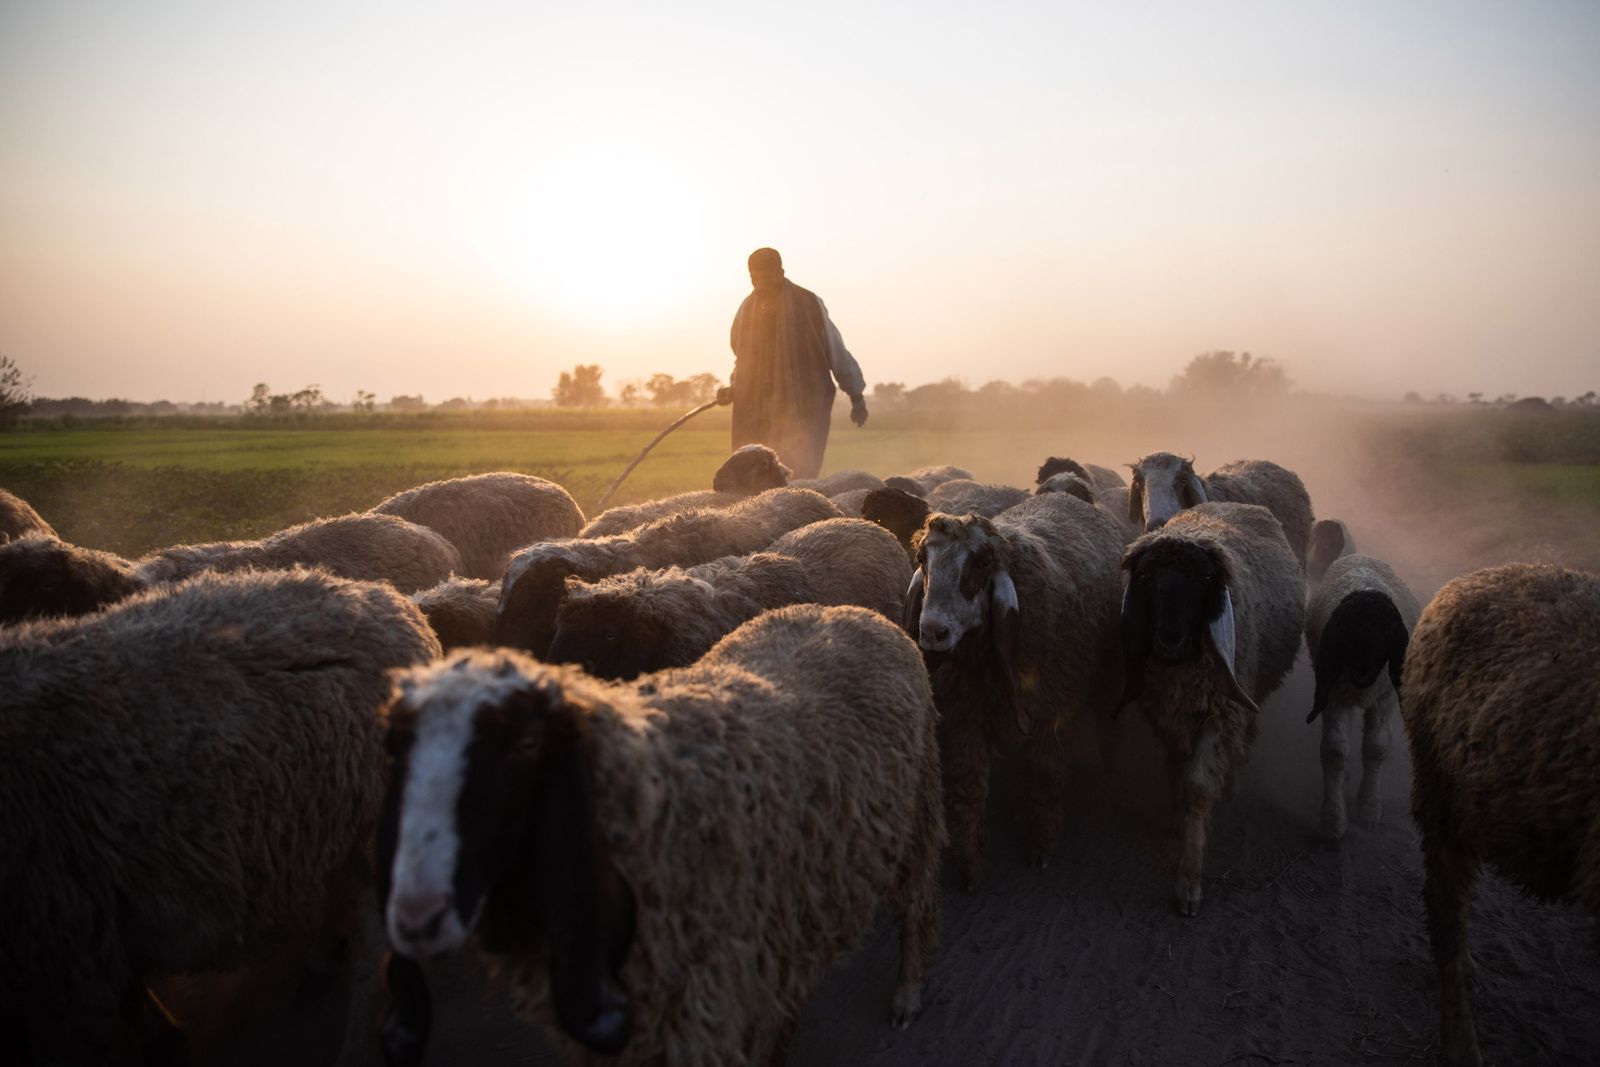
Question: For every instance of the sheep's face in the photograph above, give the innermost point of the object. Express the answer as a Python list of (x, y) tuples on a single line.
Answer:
[(1329, 541), (530, 598), (41, 576), (622, 627), (490, 824), (1163, 485), (1070, 484), (1058, 465), (751, 469), (900, 512), (962, 564)]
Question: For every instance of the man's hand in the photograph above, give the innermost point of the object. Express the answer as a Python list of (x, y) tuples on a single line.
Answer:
[(858, 410), (724, 395)]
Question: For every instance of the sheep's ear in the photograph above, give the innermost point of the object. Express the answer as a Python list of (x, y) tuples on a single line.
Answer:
[(1136, 500), (911, 619), (1134, 628), (1221, 633), (1005, 637), (585, 908), (1194, 490)]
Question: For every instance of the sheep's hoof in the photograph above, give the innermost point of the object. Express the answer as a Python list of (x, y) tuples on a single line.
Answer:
[(402, 1045), (1370, 813), (1334, 824), (907, 1006), (1187, 902)]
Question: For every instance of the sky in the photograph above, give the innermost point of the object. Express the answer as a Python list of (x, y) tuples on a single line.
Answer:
[(463, 200)]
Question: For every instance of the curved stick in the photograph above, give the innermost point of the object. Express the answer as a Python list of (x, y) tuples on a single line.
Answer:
[(640, 457)]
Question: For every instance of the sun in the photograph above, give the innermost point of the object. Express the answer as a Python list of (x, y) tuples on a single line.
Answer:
[(607, 231)]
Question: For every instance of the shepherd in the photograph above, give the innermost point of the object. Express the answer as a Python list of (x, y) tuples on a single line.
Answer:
[(787, 354)]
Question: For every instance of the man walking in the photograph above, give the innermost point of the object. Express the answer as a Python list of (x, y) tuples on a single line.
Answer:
[(787, 354)]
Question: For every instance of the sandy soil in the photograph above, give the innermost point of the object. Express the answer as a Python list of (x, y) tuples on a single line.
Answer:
[(1304, 952)]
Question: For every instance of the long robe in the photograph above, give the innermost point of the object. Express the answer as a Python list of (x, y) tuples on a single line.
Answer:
[(786, 354)]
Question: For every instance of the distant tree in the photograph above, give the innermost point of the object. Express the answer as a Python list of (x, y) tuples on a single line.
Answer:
[(703, 388), (1475, 398), (306, 399), (364, 401), (15, 394), (1230, 374), (280, 404), (667, 392), (260, 399), (455, 403), (1412, 397), (631, 395), (888, 394), (407, 403), (580, 388), (1587, 400)]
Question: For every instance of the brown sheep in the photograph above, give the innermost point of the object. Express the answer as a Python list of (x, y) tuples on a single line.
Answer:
[(666, 869), (17, 518), (899, 512), (748, 471), (840, 482), (1164, 483), (41, 577), (930, 478), (1095, 477), (1502, 707), (535, 580), (963, 496), (488, 516), (460, 611)]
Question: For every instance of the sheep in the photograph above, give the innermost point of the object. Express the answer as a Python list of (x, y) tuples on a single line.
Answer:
[(488, 516), (17, 518), (363, 547), (1330, 540), (840, 482), (1097, 477), (749, 470), (963, 495), (1113, 500), (900, 481), (193, 777), (1066, 482), (930, 478), (1502, 708), (533, 586), (1357, 620), (665, 869), (1211, 622), (460, 611), (1164, 483), (850, 501), (646, 620), (1018, 618), (41, 576), (899, 512)]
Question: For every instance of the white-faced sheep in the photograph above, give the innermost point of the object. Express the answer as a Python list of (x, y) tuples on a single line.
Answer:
[(930, 478), (460, 611), (534, 583), (1211, 622), (1501, 701), (963, 496), (17, 518), (1164, 484), (1357, 624), (378, 548), (1330, 540), (488, 516), (749, 470), (42, 577), (1096, 476), (192, 777), (666, 869), (646, 620), (1018, 618)]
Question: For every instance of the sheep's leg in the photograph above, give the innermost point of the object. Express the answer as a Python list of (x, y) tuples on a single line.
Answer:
[(917, 901), (1375, 740), (366, 945), (1044, 797), (1447, 890), (1201, 786), (967, 762), (1335, 751), (410, 1019)]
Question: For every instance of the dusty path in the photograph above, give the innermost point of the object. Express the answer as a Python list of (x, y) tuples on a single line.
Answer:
[(1303, 953)]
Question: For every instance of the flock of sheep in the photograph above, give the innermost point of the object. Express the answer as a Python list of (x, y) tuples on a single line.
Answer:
[(662, 767)]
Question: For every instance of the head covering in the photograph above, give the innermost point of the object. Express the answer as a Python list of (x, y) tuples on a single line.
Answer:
[(765, 259)]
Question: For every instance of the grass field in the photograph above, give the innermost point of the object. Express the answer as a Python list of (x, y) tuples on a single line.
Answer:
[(134, 487)]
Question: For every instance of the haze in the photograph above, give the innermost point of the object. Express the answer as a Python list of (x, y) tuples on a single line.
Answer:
[(196, 197)]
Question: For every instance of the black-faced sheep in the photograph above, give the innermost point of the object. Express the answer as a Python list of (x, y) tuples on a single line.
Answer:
[(17, 518), (1164, 484), (1096, 477), (1330, 540), (666, 869), (1501, 701), (1358, 621), (41, 577), (749, 470), (378, 548), (1018, 618), (646, 620), (460, 611), (534, 583), (899, 512), (488, 516), (930, 478), (1211, 621), (192, 777), (963, 496)]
